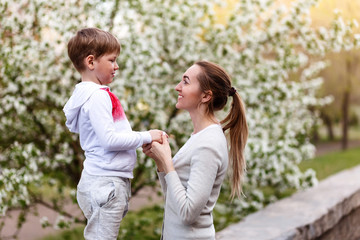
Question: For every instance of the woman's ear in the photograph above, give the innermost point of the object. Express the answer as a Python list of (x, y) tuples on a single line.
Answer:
[(206, 96), (89, 62)]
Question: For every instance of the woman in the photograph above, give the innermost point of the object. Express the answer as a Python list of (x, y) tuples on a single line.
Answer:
[(191, 181)]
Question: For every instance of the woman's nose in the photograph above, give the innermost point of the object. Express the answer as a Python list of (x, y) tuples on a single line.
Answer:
[(177, 87)]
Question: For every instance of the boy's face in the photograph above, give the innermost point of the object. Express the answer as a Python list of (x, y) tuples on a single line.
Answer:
[(105, 68)]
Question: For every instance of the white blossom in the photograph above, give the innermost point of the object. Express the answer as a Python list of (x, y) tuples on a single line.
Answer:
[(261, 45)]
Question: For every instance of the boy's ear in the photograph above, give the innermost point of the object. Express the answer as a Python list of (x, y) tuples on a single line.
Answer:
[(89, 62), (206, 96)]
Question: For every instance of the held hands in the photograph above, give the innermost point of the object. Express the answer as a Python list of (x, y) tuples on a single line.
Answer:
[(161, 153), (156, 135)]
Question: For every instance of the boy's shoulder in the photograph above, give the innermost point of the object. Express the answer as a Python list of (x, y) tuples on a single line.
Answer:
[(85, 91), (98, 93), (89, 88)]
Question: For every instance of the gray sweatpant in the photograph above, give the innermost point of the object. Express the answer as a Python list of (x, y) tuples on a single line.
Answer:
[(104, 202)]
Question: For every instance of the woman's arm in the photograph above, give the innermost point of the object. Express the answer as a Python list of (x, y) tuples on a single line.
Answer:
[(162, 181), (190, 201)]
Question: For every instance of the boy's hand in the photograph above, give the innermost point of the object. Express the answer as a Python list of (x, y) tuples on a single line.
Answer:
[(156, 135)]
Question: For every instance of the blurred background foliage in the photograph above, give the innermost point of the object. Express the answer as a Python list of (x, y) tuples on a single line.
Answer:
[(274, 50)]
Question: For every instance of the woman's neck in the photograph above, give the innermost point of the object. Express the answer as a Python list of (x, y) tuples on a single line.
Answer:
[(201, 121)]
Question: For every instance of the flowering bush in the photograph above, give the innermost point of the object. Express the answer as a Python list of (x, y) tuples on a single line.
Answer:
[(263, 46)]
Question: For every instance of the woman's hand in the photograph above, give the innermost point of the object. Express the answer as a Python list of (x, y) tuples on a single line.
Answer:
[(161, 153), (146, 148)]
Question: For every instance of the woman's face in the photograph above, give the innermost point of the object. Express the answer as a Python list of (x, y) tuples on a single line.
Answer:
[(190, 94)]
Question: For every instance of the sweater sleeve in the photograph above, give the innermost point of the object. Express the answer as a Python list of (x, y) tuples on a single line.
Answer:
[(190, 201), (100, 114), (161, 176)]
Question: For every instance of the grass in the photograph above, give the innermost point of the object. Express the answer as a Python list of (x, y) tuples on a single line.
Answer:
[(332, 163), (146, 223)]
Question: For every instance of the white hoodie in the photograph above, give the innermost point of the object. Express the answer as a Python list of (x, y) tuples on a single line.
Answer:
[(109, 145)]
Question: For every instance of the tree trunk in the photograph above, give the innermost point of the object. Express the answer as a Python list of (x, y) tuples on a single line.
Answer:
[(315, 135), (345, 122), (329, 126), (330, 130), (346, 105)]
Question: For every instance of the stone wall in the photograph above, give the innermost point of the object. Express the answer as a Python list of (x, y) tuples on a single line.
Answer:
[(331, 210), (347, 228)]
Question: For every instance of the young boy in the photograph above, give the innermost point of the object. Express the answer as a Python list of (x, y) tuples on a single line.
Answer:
[(105, 134)]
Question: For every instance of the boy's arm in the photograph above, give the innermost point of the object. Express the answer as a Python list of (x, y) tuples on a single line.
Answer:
[(101, 119)]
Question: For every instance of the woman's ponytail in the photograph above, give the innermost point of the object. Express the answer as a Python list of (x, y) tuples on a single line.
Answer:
[(235, 122)]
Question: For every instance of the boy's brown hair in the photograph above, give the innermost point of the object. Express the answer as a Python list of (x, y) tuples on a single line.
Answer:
[(91, 41)]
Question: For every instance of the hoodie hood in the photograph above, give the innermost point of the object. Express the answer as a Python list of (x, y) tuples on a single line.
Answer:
[(81, 94)]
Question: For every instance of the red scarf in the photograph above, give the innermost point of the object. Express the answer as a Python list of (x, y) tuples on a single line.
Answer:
[(117, 110)]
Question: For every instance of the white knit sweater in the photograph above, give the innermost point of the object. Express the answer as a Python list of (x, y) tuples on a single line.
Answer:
[(192, 190)]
